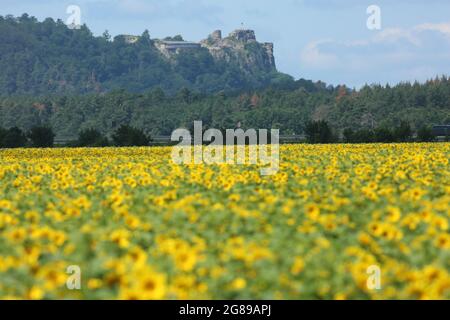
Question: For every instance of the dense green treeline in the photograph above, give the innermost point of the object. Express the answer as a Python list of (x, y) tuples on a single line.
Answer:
[(288, 109), (43, 137), (158, 113), (127, 136)]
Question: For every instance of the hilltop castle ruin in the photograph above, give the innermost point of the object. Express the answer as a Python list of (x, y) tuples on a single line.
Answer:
[(240, 46)]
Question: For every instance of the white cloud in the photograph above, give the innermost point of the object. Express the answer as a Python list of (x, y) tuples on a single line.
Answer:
[(392, 35), (443, 28), (313, 57), (394, 54)]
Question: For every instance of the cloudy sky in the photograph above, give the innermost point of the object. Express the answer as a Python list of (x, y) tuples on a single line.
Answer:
[(324, 40)]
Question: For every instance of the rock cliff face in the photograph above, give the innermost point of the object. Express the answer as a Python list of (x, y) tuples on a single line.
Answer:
[(241, 47)]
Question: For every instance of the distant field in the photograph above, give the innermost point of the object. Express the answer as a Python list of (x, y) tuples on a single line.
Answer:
[(141, 227)]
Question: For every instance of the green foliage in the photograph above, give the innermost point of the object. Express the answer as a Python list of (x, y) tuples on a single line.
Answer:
[(91, 138), (41, 137), (159, 114), (289, 109), (127, 136), (373, 106), (384, 134), (425, 134), (359, 136), (318, 132), (349, 135), (2, 136), (13, 138), (403, 133), (175, 38)]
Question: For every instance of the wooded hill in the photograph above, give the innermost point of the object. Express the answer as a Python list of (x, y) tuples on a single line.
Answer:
[(50, 58)]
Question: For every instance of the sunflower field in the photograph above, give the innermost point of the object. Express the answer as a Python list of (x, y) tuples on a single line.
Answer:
[(139, 226)]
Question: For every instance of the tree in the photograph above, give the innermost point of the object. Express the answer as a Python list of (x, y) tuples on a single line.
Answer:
[(157, 95), (185, 95), (384, 135), (127, 136), (106, 35), (2, 136), (318, 132), (41, 137), (425, 134), (364, 136), (359, 136), (403, 133), (175, 38), (14, 138), (91, 138), (144, 39), (349, 135)]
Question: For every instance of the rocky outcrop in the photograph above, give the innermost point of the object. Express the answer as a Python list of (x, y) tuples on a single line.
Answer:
[(241, 47), (243, 35), (216, 35)]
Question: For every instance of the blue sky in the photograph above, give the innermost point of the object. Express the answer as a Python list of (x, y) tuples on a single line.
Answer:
[(324, 40)]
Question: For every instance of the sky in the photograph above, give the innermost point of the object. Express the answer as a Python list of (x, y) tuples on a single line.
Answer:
[(327, 40)]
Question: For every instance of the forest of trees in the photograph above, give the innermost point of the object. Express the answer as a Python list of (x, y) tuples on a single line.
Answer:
[(288, 109)]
